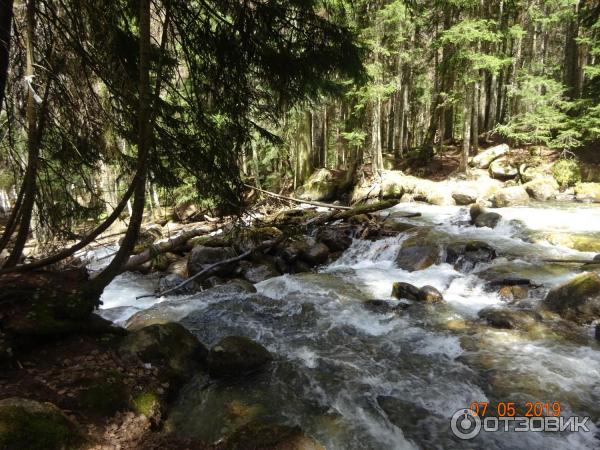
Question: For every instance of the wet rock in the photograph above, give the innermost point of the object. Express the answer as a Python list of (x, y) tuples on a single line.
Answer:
[(465, 195), (405, 415), (577, 299), (336, 239), (510, 281), (418, 257), (256, 436), (178, 267), (315, 253), (485, 158), (380, 306), (502, 169), (510, 196), (256, 273), (249, 239), (236, 355), (542, 189), (27, 424), (475, 211), (597, 332), (510, 319), (465, 256), (587, 192), (201, 257), (515, 292), (172, 281), (396, 226), (169, 345), (406, 291), (487, 219), (429, 294)]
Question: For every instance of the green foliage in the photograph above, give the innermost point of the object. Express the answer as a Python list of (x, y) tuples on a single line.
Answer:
[(566, 172)]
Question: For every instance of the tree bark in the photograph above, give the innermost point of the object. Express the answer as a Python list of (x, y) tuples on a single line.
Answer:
[(467, 112), (6, 14)]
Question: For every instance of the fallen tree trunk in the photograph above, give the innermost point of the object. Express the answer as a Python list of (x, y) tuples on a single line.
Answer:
[(345, 215), (573, 261), (164, 247), (264, 246), (292, 199)]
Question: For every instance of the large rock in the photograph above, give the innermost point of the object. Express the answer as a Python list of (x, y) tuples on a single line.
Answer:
[(510, 196), (510, 318), (401, 290), (465, 195), (487, 220), (429, 294), (577, 299), (250, 238), (587, 192), (418, 257), (30, 425), (315, 253), (202, 257), (542, 188), (258, 436), (323, 185), (502, 169), (169, 344), (236, 355), (485, 158), (465, 256), (336, 239), (257, 272), (172, 281)]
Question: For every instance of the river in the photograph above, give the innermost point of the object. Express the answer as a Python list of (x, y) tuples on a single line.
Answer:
[(361, 378)]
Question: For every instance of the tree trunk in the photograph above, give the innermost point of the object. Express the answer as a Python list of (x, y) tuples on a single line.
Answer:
[(377, 162), (467, 112), (6, 14)]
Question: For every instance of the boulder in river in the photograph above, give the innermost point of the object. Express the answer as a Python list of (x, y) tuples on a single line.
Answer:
[(587, 192), (335, 238), (510, 196), (173, 280), (542, 189), (315, 253), (418, 257), (515, 292), (168, 344), (487, 220), (236, 355), (27, 424), (465, 195), (429, 294), (485, 158), (510, 319), (201, 257), (465, 256), (502, 169), (577, 299), (261, 271), (406, 291)]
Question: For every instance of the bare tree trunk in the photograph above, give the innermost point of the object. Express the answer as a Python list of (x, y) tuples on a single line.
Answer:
[(475, 119), (377, 162), (467, 112)]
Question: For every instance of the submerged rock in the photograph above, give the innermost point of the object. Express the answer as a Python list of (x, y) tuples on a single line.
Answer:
[(406, 291), (236, 355), (577, 299), (168, 344), (510, 318), (255, 436), (487, 219), (27, 424), (429, 294), (485, 158), (510, 196)]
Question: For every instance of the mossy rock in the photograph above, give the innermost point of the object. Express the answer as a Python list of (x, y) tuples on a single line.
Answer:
[(588, 192), (250, 238), (236, 355), (169, 345), (323, 185), (29, 425), (105, 394), (271, 437), (566, 172), (147, 404), (577, 299)]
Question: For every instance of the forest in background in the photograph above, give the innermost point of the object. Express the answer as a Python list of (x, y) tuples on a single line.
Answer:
[(266, 92)]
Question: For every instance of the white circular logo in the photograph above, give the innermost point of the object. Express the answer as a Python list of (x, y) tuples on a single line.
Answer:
[(465, 424)]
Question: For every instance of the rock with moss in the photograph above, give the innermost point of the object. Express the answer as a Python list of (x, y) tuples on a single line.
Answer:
[(236, 355), (566, 172), (407, 291), (169, 345), (486, 157), (203, 257), (261, 436), (250, 238), (510, 196), (30, 425), (587, 192), (577, 299), (542, 189), (323, 185), (502, 169), (148, 404)]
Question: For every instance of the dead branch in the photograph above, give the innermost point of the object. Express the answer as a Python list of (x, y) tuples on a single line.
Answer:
[(291, 199)]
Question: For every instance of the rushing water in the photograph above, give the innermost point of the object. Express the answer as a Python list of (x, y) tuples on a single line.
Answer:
[(358, 379)]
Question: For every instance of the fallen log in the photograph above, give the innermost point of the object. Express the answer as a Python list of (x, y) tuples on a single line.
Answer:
[(264, 246), (345, 215), (573, 261), (292, 199)]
